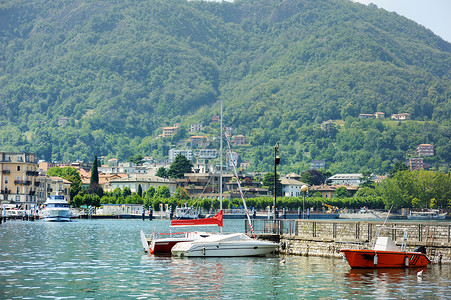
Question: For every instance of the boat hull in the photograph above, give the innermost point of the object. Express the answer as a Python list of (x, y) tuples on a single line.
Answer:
[(164, 246), (358, 258), (223, 249), (57, 215)]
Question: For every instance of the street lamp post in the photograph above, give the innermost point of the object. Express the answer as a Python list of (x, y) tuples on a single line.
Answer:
[(304, 190), (276, 162)]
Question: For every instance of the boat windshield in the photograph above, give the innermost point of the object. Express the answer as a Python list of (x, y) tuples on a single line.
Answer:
[(57, 205)]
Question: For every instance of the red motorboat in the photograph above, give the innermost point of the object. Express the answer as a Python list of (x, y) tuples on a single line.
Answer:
[(386, 254)]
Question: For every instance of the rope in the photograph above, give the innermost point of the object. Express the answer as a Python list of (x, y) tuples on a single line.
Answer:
[(239, 186)]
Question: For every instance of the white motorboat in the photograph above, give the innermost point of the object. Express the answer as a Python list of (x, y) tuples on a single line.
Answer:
[(157, 245), (56, 209), (432, 214), (224, 245)]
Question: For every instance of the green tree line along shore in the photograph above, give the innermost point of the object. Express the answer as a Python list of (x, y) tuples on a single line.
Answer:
[(401, 189)]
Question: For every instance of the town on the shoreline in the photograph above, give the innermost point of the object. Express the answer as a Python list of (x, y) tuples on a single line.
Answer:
[(24, 180)]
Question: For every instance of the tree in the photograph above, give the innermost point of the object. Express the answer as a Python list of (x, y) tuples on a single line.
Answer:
[(69, 173), (341, 192), (313, 177), (366, 179), (94, 173), (268, 180), (162, 192), (399, 166), (137, 159), (180, 166), (162, 172), (140, 190)]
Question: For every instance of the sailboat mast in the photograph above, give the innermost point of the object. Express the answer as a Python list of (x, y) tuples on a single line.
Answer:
[(220, 167)]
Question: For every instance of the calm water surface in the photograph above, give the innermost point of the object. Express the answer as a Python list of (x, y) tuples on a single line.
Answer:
[(103, 259)]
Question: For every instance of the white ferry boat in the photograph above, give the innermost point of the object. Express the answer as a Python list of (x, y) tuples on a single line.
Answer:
[(56, 209)]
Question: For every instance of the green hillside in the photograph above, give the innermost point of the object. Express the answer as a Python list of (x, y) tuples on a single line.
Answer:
[(121, 70)]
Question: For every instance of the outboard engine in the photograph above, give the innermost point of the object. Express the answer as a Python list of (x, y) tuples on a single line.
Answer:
[(421, 249)]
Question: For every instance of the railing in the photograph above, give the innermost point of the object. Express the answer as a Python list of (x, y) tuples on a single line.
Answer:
[(269, 226), (6, 171), (22, 182), (32, 173)]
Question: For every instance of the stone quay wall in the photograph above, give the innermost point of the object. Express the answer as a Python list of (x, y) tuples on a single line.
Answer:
[(326, 237)]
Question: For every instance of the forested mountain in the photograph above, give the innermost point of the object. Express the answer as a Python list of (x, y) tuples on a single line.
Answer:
[(121, 70)]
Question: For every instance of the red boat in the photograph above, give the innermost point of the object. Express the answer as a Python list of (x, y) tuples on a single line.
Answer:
[(155, 245), (386, 254)]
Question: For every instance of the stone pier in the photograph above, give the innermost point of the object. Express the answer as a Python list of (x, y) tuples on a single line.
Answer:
[(327, 237)]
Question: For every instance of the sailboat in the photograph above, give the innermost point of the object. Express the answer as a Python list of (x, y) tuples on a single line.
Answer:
[(225, 245), (160, 244), (154, 244)]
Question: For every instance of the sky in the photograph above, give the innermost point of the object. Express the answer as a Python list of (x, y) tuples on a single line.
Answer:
[(432, 14)]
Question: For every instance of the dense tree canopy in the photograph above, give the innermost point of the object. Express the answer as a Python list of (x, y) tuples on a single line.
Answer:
[(180, 166), (103, 77)]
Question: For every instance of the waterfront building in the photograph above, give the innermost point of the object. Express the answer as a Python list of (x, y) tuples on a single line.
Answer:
[(146, 181), (291, 187), (19, 171), (47, 185)]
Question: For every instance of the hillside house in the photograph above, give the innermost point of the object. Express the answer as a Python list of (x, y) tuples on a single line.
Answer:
[(379, 115), (400, 117), (366, 116), (425, 150), (238, 140), (169, 131)]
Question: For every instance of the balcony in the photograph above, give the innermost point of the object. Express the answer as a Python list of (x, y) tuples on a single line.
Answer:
[(22, 182), (6, 171), (37, 183), (32, 193), (32, 173), (5, 192)]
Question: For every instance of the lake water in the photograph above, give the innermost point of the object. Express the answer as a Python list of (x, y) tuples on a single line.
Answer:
[(103, 259)]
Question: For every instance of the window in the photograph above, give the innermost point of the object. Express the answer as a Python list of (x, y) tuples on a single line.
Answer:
[(6, 167), (17, 191), (18, 168), (6, 179)]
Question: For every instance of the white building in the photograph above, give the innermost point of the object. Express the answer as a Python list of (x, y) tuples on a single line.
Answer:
[(174, 152), (195, 127), (232, 159), (146, 181), (206, 153), (345, 179), (291, 187)]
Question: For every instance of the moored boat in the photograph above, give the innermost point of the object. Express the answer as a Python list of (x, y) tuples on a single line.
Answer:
[(224, 245), (158, 245), (432, 214), (386, 254), (56, 209)]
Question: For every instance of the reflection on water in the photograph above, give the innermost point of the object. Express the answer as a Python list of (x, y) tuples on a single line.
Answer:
[(95, 259)]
